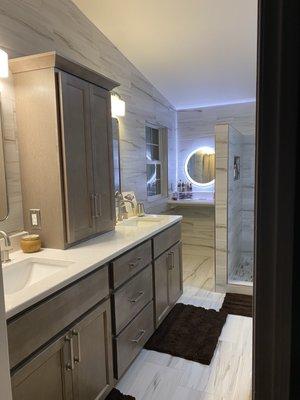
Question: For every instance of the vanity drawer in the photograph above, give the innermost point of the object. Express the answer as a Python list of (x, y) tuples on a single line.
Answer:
[(130, 263), (166, 239), (132, 297), (133, 338), (36, 326)]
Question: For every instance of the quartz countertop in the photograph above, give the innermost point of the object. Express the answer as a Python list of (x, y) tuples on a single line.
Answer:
[(192, 202), (85, 257)]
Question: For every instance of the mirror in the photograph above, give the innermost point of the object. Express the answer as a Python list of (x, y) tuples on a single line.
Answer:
[(116, 154), (200, 166), (3, 187)]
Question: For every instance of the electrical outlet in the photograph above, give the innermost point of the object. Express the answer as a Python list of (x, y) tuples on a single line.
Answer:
[(35, 218)]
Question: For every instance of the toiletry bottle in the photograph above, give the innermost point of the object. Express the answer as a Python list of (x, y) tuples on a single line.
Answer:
[(179, 186)]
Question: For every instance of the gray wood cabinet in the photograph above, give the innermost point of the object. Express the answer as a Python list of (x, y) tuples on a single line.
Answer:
[(78, 366), (62, 347), (92, 355), (168, 281), (64, 119), (87, 157), (46, 376)]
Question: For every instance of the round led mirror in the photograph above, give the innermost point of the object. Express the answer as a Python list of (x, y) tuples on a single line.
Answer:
[(200, 166)]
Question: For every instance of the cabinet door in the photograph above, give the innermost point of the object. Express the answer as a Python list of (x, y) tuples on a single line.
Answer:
[(161, 271), (93, 358), (102, 158), (77, 156), (47, 376), (175, 273)]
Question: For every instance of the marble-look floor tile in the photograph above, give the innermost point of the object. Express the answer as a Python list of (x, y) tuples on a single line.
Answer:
[(159, 376)]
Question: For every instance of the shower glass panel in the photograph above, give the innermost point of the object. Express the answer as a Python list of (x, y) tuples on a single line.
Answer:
[(240, 213)]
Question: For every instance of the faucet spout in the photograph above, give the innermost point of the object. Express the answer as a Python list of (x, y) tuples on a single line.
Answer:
[(7, 244)]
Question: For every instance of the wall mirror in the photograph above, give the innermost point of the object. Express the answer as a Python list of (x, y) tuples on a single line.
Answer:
[(116, 154), (3, 185), (200, 166)]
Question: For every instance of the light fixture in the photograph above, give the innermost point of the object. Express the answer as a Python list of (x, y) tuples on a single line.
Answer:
[(3, 64), (117, 105)]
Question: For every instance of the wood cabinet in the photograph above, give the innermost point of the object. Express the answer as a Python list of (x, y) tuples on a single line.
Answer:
[(45, 376), (70, 346), (65, 144), (168, 281), (77, 366)]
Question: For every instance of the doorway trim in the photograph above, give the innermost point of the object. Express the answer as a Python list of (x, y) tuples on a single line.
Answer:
[(276, 154)]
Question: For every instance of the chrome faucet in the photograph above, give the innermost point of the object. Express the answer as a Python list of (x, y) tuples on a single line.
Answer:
[(120, 204), (7, 244)]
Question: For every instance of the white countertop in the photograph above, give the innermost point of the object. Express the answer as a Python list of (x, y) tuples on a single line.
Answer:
[(85, 258), (191, 202)]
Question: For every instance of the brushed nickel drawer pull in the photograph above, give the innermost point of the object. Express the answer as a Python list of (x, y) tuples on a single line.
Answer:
[(135, 264), (78, 358), (70, 364), (139, 337), (136, 299)]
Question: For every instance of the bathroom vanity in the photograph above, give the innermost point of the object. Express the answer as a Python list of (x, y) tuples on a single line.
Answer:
[(74, 334)]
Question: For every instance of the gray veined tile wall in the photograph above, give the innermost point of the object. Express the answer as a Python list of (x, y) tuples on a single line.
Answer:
[(35, 26)]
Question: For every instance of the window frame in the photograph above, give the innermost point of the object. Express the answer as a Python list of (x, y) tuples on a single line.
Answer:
[(162, 161)]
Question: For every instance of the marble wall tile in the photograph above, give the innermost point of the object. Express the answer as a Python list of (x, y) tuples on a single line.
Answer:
[(31, 27), (234, 226)]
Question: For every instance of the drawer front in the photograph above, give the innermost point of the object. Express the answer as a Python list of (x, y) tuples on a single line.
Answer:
[(166, 239), (34, 328), (132, 297), (130, 342), (130, 263)]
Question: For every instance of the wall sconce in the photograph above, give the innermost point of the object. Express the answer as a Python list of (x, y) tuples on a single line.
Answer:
[(117, 105), (3, 64)]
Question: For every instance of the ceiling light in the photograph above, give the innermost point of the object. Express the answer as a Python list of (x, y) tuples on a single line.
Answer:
[(3, 64), (117, 106)]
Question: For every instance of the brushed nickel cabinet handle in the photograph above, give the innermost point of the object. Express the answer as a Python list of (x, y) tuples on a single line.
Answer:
[(77, 359), (135, 264), (139, 337), (98, 205), (169, 262), (93, 205), (70, 364), (173, 259), (136, 299)]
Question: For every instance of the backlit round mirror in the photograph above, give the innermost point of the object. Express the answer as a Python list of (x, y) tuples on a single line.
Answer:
[(200, 166)]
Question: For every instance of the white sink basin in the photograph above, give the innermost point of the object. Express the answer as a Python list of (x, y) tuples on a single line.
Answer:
[(23, 274), (147, 221)]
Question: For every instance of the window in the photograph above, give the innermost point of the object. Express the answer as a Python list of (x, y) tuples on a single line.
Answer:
[(157, 162)]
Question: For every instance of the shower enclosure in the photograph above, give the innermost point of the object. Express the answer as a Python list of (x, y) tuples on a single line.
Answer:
[(235, 167)]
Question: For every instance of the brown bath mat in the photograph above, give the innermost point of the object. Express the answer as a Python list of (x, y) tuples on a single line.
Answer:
[(189, 332), (237, 304), (115, 394)]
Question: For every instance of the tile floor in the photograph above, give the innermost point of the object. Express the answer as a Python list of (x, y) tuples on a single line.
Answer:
[(198, 271), (158, 376)]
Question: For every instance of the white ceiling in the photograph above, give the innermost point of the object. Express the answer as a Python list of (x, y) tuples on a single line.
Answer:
[(196, 52)]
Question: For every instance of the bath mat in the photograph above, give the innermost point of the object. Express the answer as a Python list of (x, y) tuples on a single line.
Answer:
[(237, 304), (115, 394), (189, 332)]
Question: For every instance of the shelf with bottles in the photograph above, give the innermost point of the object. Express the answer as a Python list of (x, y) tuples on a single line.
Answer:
[(186, 194)]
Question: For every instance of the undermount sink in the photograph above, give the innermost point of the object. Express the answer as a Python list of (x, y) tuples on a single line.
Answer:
[(23, 274), (146, 221)]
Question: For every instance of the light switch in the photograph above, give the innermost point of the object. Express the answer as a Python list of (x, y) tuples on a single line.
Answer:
[(35, 218)]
